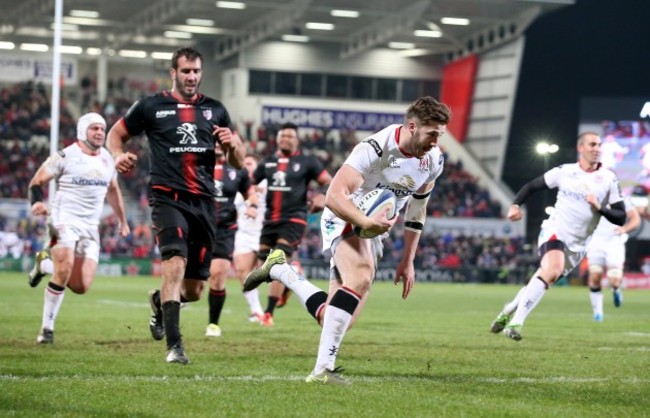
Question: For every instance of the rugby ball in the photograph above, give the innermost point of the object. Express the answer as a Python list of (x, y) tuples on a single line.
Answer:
[(375, 201)]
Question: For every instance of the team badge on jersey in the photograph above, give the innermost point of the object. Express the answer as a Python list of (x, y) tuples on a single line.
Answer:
[(424, 165), (232, 174), (207, 113), (296, 167)]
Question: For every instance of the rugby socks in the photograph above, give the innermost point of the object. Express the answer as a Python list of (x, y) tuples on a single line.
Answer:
[(511, 306), (596, 297), (216, 299), (171, 318), (289, 277), (53, 299), (529, 299), (270, 304), (253, 299), (336, 321)]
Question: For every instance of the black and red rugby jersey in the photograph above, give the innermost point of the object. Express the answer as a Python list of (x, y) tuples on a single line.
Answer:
[(227, 182), (288, 181), (181, 146)]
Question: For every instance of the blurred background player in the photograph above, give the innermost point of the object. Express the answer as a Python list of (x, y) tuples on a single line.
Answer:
[(182, 127), (606, 254), (288, 173), (85, 175), (403, 158), (247, 238), (228, 182), (612, 152), (586, 191)]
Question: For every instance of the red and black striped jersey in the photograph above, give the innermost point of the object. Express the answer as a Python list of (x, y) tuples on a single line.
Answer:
[(181, 145), (227, 182), (288, 182)]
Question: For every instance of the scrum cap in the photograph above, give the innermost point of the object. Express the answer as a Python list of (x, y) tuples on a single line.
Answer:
[(85, 121)]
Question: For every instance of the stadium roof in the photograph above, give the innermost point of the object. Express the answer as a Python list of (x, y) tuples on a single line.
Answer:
[(228, 26)]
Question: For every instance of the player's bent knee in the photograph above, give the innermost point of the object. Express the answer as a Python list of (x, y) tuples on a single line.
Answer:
[(614, 274)]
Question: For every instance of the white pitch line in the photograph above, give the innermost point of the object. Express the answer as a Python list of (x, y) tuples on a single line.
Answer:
[(359, 379), (186, 307)]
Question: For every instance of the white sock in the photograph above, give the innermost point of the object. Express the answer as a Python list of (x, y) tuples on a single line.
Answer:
[(289, 277), (529, 299), (596, 302), (511, 306), (47, 266), (51, 306), (253, 300), (335, 324)]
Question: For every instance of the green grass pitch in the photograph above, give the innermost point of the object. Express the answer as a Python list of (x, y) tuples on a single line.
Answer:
[(429, 356)]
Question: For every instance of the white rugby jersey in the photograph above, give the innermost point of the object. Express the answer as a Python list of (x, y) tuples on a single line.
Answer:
[(244, 223), (606, 231), (383, 166), (82, 182), (574, 219)]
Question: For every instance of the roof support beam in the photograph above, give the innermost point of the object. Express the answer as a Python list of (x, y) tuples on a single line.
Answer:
[(262, 28), (26, 12), (383, 30), (147, 19)]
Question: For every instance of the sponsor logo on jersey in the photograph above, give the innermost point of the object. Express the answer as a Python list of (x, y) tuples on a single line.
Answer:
[(187, 149), (164, 113), (85, 181), (218, 185), (375, 146), (188, 131), (279, 179), (398, 190)]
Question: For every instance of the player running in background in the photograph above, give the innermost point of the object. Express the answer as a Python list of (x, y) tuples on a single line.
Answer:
[(85, 175), (182, 127), (288, 173), (606, 254), (586, 191), (247, 238), (228, 183), (403, 158)]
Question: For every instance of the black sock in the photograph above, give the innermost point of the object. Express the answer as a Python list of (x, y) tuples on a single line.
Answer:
[(270, 307), (172, 318), (216, 300)]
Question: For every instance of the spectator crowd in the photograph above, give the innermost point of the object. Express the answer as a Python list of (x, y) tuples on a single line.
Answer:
[(24, 144)]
